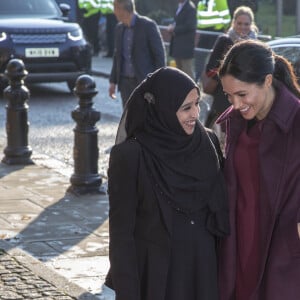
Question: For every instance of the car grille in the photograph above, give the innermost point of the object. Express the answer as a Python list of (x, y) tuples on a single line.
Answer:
[(39, 38), (51, 67)]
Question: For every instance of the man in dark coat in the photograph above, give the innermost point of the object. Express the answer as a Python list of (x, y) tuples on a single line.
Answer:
[(139, 49), (183, 36)]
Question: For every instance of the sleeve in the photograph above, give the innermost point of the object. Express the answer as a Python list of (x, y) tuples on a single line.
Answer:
[(218, 219), (156, 45), (113, 74), (213, 137), (123, 200), (221, 46)]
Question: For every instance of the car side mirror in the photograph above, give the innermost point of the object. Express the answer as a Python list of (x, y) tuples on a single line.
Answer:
[(65, 9)]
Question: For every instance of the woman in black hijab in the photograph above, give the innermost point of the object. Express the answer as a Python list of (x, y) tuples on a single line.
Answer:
[(167, 197)]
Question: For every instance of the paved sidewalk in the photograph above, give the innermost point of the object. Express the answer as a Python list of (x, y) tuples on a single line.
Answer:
[(19, 282), (67, 233), (53, 245)]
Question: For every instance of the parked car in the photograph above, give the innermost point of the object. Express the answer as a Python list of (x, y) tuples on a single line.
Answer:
[(37, 32), (289, 48)]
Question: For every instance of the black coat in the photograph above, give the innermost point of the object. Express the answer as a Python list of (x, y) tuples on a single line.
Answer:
[(148, 52), (183, 39), (139, 240), (141, 231)]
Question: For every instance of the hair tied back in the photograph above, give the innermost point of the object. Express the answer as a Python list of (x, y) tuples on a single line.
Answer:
[(149, 98)]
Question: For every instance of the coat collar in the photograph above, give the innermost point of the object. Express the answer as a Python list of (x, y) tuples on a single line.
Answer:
[(284, 108)]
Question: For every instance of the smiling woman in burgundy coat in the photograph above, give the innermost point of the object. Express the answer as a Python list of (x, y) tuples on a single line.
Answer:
[(260, 260)]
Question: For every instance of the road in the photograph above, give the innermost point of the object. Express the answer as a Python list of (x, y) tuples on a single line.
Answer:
[(51, 125)]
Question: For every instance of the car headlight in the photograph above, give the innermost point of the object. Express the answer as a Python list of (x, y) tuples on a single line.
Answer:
[(3, 36), (75, 35)]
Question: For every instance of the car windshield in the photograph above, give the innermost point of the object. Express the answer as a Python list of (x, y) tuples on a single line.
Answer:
[(29, 9)]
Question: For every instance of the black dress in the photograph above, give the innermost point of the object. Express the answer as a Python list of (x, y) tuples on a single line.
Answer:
[(193, 267)]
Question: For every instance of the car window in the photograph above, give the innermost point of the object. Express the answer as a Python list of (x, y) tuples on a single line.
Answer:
[(29, 9), (291, 53)]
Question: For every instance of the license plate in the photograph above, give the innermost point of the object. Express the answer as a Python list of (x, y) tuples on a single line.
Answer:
[(42, 52)]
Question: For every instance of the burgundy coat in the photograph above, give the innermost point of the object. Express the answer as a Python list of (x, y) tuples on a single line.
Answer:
[(279, 158)]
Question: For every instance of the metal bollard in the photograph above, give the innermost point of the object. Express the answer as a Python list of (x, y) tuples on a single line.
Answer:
[(85, 178), (18, 151)]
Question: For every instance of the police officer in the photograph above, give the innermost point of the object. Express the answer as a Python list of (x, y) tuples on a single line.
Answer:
[(107, 9), (213, 15), (90, 22)]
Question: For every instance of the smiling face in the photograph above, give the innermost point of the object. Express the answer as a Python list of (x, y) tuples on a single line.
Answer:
[(188, 112), (250, 99), (242, 25)]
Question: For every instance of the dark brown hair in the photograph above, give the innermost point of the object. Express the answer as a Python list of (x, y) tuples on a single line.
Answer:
[(251, 61)]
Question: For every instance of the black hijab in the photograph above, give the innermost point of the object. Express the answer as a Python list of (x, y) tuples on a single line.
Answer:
[(185, 167)]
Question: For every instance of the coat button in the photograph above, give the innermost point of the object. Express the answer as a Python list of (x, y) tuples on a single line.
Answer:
[(192, 222)]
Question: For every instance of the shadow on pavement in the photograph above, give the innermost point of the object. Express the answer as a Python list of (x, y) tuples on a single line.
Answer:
[(41, 218)]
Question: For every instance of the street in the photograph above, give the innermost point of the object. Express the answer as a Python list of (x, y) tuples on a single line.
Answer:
[(83, 259), (51, 125)]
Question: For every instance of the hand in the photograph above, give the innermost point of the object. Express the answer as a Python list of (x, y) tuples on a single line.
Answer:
[(112, 91)]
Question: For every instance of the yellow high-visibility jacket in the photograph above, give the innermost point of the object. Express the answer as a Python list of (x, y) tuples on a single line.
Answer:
[(107, 6), (90, 7), (213, 14)]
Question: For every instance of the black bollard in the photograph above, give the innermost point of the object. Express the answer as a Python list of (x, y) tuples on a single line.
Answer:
[(17, 151), (85, 179)]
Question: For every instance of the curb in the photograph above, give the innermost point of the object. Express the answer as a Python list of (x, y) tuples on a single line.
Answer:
[(47, 274), (100, 74)]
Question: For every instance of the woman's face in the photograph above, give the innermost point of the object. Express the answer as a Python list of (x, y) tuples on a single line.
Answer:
[(242, 25), (251, 100), (188, 112)]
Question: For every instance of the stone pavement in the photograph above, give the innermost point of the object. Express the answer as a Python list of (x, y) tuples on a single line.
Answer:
[(53, 245), (19, 282)]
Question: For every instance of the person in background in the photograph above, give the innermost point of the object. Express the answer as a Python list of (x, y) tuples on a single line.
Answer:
[(167, 198), (261, 257), (213, 15), (139, 49), (90, 22), (107, 10), (183, 31), (242, 27), (111, 22)]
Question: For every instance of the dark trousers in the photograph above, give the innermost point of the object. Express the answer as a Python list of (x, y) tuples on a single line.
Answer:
[(126, 87), (90, 28)]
